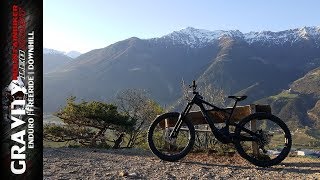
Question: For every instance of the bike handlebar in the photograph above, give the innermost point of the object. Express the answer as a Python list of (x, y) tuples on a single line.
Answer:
[(193, 86)]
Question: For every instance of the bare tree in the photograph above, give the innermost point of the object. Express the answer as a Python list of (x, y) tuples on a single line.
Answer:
[(136, 104), (212, 94)]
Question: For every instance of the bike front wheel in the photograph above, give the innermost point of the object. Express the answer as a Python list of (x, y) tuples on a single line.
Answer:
[(166, 148), (263, 139)]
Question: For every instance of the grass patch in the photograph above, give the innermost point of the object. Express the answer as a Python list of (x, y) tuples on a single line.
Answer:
[(51, 144), (314, 132), (284, 95), (303, 138)]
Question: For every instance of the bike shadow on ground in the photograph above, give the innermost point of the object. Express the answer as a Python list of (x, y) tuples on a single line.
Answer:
[(303, 168), (125, 152), (130, 152), (296, 167), (217, 164), (74, 152), (303, 164)]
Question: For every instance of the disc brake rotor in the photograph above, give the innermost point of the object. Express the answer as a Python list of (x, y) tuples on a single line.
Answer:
[(167, 137), (264, 139)]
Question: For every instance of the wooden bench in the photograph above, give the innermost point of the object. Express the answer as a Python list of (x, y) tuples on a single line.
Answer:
[(219, 117)]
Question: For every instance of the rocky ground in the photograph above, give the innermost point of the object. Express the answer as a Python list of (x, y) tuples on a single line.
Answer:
[(81, 163)]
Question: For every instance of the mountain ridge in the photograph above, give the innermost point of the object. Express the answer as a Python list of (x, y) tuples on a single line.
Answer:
[(159, 64), (199, 37)]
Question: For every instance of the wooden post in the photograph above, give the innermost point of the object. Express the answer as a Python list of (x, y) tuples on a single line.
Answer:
[(253, 126), (206, 137), (169, 124), (165, 132), (255, 147)]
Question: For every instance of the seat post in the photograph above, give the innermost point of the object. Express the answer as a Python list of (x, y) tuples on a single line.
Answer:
[(232, 110), (235, 103), (234, 106)]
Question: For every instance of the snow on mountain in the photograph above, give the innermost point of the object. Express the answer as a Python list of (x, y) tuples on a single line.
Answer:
[(72, 54), (199, 37), (52, 51), (288, 36)]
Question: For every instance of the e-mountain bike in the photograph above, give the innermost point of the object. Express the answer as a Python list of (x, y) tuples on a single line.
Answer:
[(172, 135)]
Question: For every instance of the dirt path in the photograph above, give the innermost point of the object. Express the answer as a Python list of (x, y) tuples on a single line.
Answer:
[(81, 163)]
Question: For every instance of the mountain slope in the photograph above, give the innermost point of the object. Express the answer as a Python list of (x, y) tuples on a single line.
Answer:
[(131, 63), (300, 105), (238, 67), (52, 62), (261, 64), (314, 114), (308, 84)]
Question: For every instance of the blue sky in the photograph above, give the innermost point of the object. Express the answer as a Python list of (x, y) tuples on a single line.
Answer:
[(84, 25)]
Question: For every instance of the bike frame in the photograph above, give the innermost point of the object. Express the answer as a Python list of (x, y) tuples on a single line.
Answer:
[(223, 134)]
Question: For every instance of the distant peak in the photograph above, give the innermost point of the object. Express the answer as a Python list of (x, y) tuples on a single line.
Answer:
[(194, 37), (190, 28), (72, 54), (200, 37), (134, 38), (51, 51)]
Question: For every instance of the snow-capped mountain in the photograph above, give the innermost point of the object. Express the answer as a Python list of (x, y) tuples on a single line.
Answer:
[(199, 37), (53, 59), (288, 36), (72, 54), (52, 51)]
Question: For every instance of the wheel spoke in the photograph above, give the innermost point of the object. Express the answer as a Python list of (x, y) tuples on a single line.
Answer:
[(271, 139), (166, 147)]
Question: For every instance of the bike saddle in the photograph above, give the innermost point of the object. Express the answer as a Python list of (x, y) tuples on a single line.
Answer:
[(238, 98)]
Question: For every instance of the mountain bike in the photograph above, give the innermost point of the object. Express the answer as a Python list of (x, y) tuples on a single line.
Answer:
[(171, 136)]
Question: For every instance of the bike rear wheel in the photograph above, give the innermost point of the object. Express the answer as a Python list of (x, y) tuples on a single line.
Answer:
[(266, 143), (166, 148)]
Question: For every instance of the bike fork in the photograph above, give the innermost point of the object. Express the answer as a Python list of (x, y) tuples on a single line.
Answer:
[(177, 126)]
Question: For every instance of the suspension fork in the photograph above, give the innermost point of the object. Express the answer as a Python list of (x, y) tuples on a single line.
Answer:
[(183, 115)]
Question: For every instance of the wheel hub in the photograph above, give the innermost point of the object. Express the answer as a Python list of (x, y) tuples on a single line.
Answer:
[(264, 139), (167, 137)]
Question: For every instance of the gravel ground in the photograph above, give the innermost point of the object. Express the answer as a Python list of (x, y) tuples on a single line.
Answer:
[(82, 163)]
